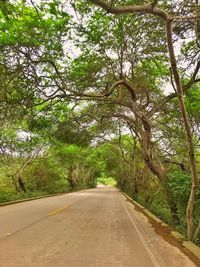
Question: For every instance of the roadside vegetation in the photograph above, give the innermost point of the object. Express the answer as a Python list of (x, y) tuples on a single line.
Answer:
[(90, 94)]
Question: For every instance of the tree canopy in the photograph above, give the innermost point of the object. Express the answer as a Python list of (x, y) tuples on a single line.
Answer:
[(93, 89)]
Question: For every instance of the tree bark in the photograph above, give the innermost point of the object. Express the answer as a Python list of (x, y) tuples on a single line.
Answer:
[(152, 9), (21, 184), (179, 88), (70, 178)]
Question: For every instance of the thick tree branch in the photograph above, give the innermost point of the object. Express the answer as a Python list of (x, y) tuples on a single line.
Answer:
[(148, 8), (193, 78), (180, 164), (184, 18)]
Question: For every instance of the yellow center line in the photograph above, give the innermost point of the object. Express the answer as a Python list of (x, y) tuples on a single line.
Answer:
[(58, 210), (66, 206)]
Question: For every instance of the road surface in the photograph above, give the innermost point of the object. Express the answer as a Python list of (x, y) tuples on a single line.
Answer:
[(90, 228)]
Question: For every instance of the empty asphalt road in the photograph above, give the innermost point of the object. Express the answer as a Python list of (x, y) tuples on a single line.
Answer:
[(90, 228)]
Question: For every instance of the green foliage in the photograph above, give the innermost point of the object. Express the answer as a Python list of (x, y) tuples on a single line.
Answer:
[(56, 54), (157, 206), (67, 132), (192, 101), (108, 181), (85, 69), (27, 25), (150, 74), (107, 156), (180, 184), (45, 175)]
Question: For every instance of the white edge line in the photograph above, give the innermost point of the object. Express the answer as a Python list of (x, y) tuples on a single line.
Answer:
[(152, 257)]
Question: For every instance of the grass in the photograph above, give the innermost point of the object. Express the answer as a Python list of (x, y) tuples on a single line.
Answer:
[(11, 195)]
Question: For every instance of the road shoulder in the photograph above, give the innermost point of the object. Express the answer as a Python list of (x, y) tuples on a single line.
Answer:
[(166, 232)]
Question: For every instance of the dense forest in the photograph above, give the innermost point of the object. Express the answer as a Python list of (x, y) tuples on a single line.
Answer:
[(103, 91)]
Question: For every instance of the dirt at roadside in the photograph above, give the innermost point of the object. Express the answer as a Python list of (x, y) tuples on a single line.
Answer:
[(165, 232)]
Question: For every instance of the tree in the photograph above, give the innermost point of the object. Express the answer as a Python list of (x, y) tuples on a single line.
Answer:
[(122, 72), (179, 88)]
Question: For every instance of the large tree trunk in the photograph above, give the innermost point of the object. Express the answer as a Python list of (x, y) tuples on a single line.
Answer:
[(21, 184), (188, 133), (189, 213), (154, 165), (134, 187), (160, 173), (70, 178)]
